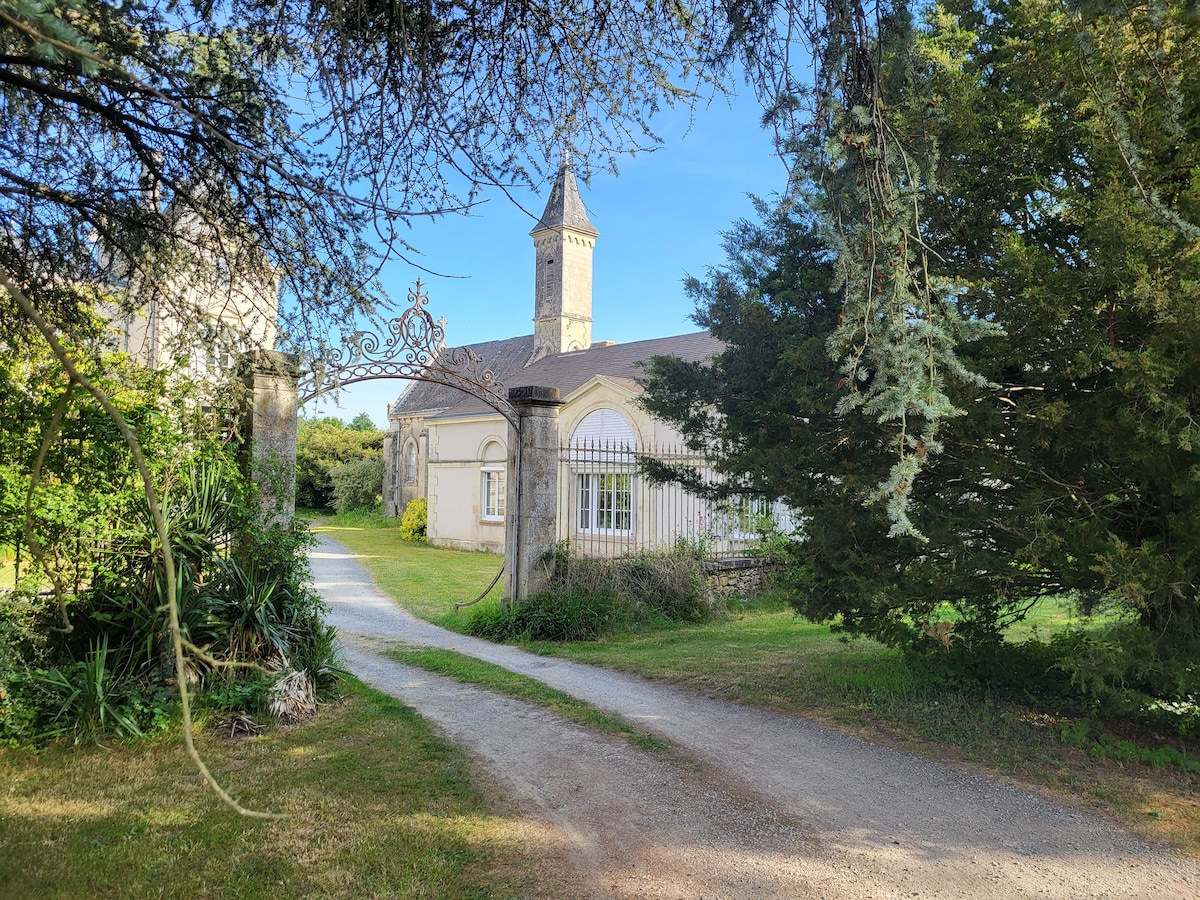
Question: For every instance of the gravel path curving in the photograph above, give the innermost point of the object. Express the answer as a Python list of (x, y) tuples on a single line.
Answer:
[(782, 807)]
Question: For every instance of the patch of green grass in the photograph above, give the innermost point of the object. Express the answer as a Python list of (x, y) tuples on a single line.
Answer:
[(355, 518), (1048, 616), (427, 580), (376, 805), (763, 655), (8, 566), (774, 660), (499, 680)]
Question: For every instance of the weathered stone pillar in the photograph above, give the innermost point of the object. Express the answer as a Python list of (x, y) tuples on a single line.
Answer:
[(531, 527), (268, 452), (393, 468)]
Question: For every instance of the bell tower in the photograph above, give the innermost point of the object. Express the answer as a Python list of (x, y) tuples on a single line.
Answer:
[(563, 240)]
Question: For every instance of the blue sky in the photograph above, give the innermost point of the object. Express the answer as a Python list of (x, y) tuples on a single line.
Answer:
[(660, 219)]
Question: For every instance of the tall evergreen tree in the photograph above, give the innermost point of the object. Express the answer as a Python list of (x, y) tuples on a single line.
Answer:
[(769, 410), (1071, 199), (1061, 195)]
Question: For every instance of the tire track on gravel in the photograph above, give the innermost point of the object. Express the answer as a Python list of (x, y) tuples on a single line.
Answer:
[(827, 815)]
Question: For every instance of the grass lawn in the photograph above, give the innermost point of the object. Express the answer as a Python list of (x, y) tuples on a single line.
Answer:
[(427, 580), (765, 656), (375, 804)]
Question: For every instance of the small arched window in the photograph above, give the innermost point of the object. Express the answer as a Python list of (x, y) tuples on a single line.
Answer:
[(410, 463)]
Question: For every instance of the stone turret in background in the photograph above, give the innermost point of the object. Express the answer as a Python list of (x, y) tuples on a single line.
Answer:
[(563, 240)]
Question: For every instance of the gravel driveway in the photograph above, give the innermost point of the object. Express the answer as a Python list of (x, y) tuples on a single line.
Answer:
[(780, 807)]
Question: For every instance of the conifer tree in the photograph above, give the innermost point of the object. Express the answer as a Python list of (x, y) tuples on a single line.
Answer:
[(299, 139), (1060, 192)]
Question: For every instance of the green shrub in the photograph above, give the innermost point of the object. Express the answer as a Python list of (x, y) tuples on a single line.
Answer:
[(314, 651), (669, 585), (23, 628), (241, 590), (414, 520), (276, 610), (322, 445), (357, 484), (589, 598), (252, 624), (245, 692), (548, 617), (673, 584), (91, 701), (1116, 672)]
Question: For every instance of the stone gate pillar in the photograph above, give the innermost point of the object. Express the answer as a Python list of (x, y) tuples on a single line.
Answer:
[(531, 527), (268, 452)]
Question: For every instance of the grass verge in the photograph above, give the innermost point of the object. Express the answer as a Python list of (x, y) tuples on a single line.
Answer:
[(769, 658), (763, 655), (499, 680), (376, 805), (427, 580)]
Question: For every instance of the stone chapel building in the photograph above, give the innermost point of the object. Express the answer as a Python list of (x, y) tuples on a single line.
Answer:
[(452, 449)]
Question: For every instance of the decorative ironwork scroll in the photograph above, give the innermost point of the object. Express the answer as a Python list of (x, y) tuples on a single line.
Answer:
[(413, 347)]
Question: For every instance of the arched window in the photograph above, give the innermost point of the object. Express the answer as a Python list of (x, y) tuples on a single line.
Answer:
[(603, 428), (493, 487), (410, 463), (603, 459)]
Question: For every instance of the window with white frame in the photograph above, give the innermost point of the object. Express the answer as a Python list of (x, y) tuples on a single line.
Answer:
[(605, 501), (492, 480), (493, 494), (602, 454), (214, 353)]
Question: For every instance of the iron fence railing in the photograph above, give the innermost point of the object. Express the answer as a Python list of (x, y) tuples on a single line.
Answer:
[(609, 507)]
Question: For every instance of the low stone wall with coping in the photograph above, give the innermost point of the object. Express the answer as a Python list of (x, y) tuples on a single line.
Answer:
[(742, 576)]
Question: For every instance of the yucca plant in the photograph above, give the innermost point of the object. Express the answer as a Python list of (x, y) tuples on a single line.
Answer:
[(314, 651), (201, 512), (246, 605), (90, 698), (292, 696)]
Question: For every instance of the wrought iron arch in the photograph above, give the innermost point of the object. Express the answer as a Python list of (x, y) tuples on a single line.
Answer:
[(413, 347)]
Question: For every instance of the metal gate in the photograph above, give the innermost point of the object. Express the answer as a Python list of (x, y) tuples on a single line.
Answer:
[(413, 347)]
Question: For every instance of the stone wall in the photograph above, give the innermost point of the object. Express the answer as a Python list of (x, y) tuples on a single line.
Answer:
[(744, 576)]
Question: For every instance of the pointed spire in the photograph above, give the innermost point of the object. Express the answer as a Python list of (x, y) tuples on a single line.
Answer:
[(563, 241), (565, 208)]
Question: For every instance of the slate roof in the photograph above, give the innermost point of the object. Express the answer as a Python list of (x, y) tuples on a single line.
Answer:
[(565, 206), (570, 371), (509, 359), (502, 358)]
